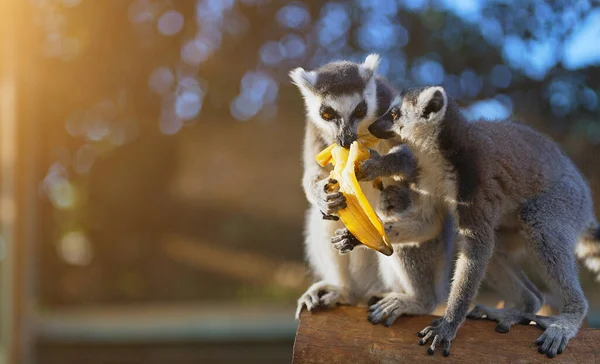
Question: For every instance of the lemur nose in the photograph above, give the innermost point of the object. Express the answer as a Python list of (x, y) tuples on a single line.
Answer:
[(346, 144)]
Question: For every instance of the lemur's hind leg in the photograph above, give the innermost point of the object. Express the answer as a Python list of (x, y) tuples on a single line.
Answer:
[(331, 268), (415, 275), (522, 299), (553, 223)]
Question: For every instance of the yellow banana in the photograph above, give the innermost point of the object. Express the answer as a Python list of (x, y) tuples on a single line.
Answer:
[(358, 216)]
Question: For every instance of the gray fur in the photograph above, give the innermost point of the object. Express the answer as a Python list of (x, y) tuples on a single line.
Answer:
[(416, 275), (521, 298), (340, 78), (488, 173), (385, 95)]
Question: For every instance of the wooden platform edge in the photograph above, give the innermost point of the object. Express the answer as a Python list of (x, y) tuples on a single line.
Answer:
[(343, 335)]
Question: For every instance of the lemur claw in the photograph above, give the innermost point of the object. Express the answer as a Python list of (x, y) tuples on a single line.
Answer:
[(443, 333), (320, 295), (343, 241)]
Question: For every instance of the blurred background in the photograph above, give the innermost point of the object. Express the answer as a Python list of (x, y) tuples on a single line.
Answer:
[(150, 200)]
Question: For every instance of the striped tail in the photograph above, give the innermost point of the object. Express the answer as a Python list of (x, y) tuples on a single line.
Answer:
[(588, 250)]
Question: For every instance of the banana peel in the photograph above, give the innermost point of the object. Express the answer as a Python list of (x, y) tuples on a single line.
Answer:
[(358, 216)]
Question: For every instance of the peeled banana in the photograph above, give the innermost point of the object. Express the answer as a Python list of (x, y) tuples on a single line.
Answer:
[(358, 216)]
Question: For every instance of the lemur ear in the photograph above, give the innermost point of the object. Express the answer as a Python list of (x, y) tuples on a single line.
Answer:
[(432, 102), (305, 80), (370, 66)]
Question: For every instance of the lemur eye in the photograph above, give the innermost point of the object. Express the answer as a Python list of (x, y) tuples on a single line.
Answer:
[(327, 114), (394, 113)]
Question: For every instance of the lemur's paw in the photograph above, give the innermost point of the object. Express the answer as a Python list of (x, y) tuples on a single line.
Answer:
[(385, 310), (329, 198), (394, 200), (344, 241), (555, 339), (442, 333), (505, 317), (320, 295), (370, 169)]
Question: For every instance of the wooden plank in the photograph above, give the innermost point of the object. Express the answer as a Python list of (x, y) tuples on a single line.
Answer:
[(343, 335)]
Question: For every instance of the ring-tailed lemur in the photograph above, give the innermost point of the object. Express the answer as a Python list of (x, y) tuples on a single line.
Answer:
[(504, 274), (342, 99), (492, 175)]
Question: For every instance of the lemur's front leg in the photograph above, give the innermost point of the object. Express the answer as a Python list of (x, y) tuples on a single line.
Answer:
[(331, 269), (475, 252), (399, 162), (316, 182)]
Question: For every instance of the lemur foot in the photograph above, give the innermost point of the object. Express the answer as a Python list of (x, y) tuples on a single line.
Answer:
[(505, 317), (556, 337), (385, 309), (344, 241), (442, 333), (320, 295)]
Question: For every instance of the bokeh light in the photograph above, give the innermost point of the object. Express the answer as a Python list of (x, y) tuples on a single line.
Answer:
[(170, 23), (170, 88), (75, 248)]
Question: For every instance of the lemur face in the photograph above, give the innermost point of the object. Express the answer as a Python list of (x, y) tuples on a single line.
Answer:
[(340, 98), (413, 116)]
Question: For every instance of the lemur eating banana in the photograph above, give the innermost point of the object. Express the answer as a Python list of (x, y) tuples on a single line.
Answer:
[(342, 99), (495, 176)]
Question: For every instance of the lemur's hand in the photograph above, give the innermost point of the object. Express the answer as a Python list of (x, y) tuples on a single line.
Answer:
[(329, 198), (372, 168), (393, 200), (344, 241), (442, 332)]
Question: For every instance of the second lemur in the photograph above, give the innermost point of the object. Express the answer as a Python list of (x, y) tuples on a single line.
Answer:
[(492, 175), (417, 276)]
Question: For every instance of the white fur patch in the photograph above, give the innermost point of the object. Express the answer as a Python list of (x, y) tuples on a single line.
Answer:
[(372, 62), (303, 79), (369, 68)]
